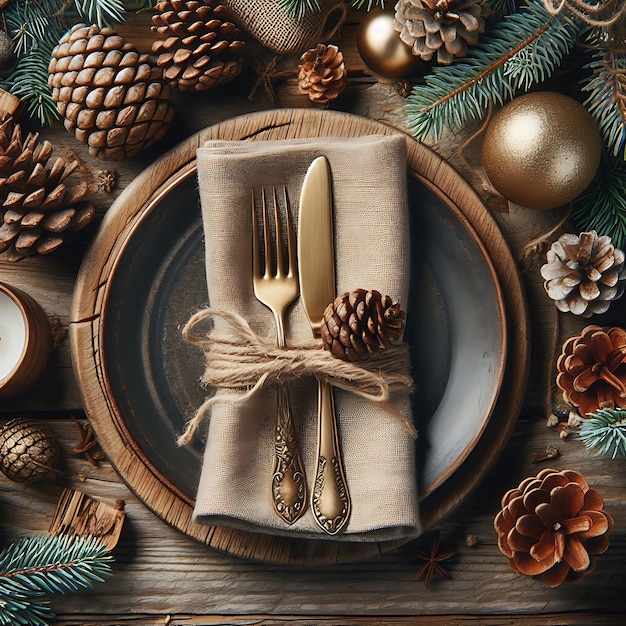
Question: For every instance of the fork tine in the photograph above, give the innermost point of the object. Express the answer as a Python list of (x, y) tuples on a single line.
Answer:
[(266, 236), (280, 259), (291, 237), (255, 240)]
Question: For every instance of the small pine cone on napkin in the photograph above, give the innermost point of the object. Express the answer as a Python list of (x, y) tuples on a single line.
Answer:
[(553, 525), (322, 73), (39, 209), (584, 273), (444, 27), (359, 323), (200, 45), (592, 369)]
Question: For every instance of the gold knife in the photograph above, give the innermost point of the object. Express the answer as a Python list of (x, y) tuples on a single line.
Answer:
[(330, 499)]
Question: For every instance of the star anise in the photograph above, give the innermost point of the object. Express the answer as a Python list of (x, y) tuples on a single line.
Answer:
[(432, 561), (266, 76)]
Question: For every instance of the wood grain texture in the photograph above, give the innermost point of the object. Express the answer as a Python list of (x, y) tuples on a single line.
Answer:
[(163, 577)]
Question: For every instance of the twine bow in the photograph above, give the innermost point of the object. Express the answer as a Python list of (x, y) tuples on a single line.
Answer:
[(240, 362)]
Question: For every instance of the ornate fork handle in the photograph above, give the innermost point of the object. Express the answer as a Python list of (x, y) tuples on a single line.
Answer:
[(288, 477)]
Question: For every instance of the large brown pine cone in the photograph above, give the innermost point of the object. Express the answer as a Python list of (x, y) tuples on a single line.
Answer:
[(39, 209), (359, 323), (322, 73), (553, 525), (592, 369), (200, 46), (444, 27), (113, 98)]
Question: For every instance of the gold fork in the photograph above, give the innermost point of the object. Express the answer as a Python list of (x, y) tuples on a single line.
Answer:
[(276, 286)]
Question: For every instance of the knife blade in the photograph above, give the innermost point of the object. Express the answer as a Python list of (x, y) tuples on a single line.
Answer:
[(330, 498)]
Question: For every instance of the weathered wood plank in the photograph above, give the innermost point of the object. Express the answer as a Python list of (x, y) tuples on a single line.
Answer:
[(160, 572)]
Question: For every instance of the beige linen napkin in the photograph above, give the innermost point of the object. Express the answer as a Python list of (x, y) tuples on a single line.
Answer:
[(372, 251)]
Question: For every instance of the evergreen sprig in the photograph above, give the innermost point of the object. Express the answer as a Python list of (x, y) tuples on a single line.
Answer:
[(101, 12), (605, 430), (300, 7), (521, 50), (607, 97), (602, 206), (34, 567), (29, 82)]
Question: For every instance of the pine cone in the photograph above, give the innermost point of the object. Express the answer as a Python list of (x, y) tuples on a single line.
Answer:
[(322, 74), (592, 369), (39, 210), (112, 98), (553, 525), (360, 323), (584, 273), (28, 452), (201, 46), (446, 27)]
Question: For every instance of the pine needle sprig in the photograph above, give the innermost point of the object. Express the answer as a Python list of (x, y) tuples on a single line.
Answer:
[(34, 567), (607, 97), (604, 431), (29, 82), (299, 7), (492, 71), (101, 12), (602, 205)]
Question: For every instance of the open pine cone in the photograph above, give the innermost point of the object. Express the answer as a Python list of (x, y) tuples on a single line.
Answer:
[(444, 27), (40, 211), (112, 98), (201, 44), (359, 323), (584, 273), (553, 525), (592, 369), (322, 73)]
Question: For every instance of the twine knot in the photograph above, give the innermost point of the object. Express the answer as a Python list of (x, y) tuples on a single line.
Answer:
[(239, 362)]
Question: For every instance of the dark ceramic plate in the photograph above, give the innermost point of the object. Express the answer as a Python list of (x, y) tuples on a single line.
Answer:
[(144, 277)]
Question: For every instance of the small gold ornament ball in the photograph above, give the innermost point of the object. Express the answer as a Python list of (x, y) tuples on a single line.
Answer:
[(381, 48), (542, 150)]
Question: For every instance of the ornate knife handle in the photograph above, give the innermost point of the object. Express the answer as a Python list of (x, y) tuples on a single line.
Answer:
[(330, 500), (288, 477)]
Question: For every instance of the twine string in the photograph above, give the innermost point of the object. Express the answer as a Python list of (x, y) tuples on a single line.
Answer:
[(239, 362)]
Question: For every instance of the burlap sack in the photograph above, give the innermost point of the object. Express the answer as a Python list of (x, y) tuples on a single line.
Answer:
[(272, 25)]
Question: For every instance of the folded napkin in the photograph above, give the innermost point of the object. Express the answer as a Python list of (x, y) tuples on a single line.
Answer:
[(372, 252)]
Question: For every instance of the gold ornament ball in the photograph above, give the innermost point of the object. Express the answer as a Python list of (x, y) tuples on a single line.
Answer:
[(381, 48), (542, 150)]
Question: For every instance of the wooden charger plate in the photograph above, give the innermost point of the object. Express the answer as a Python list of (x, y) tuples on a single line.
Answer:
[(144, 276)]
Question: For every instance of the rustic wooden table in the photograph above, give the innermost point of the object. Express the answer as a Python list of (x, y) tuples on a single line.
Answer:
[(163, 577)]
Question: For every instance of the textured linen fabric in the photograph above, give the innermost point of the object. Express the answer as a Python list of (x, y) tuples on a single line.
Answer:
[(372, 251)]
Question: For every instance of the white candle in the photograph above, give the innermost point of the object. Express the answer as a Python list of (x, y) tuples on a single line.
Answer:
[(13, 335)]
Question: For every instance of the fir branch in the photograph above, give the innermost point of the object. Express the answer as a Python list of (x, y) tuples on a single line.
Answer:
[(299, 7), (607, 97), (36, 566), (30, 23), (492, 72), (101, 12), (29, 82), (602, 206), (604, 431)]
